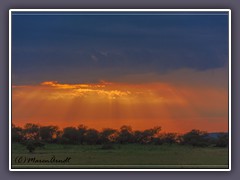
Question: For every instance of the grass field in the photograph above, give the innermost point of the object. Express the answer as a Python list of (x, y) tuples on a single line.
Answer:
[(122, 156)]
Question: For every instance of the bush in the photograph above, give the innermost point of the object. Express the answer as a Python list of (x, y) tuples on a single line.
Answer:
[(196, 138), (222, 140)]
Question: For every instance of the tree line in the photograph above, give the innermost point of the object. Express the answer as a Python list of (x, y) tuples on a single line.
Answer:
[(33, 135)]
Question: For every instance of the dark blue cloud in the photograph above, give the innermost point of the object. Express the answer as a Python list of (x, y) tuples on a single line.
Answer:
[(93, 47)]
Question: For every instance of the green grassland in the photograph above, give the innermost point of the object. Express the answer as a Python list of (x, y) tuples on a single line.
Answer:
[(121, 156)]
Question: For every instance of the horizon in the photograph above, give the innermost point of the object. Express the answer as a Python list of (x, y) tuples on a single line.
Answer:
[(132, 128)]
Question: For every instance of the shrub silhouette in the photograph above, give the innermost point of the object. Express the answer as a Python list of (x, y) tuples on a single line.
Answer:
[(17, 134), (195, 138), (168, 138), (222, 140)]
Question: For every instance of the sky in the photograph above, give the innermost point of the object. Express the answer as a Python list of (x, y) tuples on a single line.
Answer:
[(114, 69)]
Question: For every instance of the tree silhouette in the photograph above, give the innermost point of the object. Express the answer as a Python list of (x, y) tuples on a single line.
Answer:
[(125, 135), (70, 135), (47, 133), (108, 135), (34, 136), (92, 136), (146, 136), (82, 130), (17, 134), (31, 131)]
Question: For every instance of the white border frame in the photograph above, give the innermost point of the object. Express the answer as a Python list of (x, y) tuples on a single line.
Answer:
[(118, 10)]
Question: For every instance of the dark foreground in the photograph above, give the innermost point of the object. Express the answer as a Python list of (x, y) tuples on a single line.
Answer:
[(121, 156)]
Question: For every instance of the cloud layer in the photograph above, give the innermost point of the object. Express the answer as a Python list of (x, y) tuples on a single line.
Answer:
[(179, 105)]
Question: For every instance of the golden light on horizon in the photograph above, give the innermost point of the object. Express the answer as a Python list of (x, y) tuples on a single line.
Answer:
[(100, 105)]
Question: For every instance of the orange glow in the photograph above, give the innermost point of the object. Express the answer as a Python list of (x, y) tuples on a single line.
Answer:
[(174, 108)]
